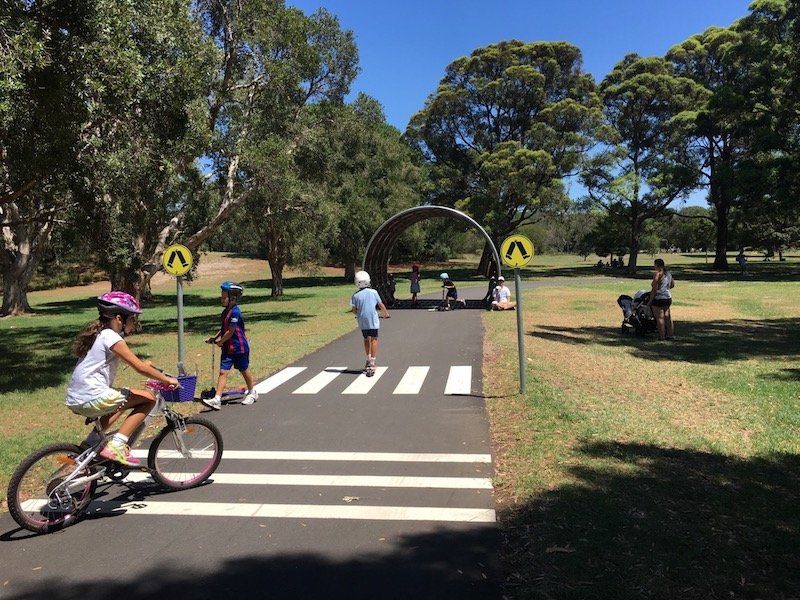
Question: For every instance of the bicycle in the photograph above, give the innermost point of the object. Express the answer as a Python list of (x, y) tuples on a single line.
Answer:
[(53, 486)]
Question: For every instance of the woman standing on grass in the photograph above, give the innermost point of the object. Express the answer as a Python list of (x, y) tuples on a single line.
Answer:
[(661, 299)]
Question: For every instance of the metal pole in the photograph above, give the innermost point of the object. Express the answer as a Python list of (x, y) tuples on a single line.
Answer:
[(520, 335), (181, 368)]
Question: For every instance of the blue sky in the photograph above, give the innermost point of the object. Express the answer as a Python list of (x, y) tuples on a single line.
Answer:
[(405, 45)]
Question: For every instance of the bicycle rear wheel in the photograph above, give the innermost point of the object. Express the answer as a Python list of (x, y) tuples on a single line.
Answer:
[(38, 501), (183, 459)]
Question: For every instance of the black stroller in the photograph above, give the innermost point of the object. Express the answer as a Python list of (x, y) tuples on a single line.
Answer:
[(636, 315)]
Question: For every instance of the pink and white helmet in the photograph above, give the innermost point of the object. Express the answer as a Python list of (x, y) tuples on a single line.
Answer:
[(118, 303)]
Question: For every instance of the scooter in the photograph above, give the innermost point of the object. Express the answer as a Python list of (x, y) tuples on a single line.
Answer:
[(227, 395)]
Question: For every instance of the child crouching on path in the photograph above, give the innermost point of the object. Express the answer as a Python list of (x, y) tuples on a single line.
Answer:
[(364, 304), (89, 393), (235, 349)]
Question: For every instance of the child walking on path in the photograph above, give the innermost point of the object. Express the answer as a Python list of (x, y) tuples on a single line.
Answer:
[(89, 393), (235, 349), (415, 278), (364, 304)]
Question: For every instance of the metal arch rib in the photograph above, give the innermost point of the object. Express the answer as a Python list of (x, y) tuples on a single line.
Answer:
[(380, 245)]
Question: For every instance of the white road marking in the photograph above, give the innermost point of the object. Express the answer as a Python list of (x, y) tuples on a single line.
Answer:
[(270, 383), (459, 381), (363, 384), (299, 511), (339, 456), (319, 381), (412, 380), (379, 481)]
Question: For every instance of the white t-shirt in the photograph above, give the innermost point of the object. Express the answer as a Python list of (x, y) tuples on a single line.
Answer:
[(95, 372), (503, 295)]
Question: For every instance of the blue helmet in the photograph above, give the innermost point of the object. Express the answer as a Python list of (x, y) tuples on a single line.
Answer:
[(232, 288), (444, 276)]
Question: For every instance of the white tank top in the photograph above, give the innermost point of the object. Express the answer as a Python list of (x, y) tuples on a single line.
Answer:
[(662, 293)]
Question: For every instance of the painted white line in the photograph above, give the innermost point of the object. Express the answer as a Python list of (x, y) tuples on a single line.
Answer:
[(300, 511), (412, 380), (316, 383), (363, 384), (270, 383), (459, 381), (378, 481), (340, 456)]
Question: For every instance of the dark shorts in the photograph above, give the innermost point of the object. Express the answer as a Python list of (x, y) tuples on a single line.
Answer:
[(369, 333), (240, 361), (662, 302), (452, 293)]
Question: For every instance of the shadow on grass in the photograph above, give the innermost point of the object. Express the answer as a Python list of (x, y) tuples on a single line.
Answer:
[(703, 342), (643, 521)]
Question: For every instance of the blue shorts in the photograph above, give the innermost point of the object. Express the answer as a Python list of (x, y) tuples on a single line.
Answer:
[(369, 333), (240, 361), (452, 293)]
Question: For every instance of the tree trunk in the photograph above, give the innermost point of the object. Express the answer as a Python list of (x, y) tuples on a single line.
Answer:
[(15, 286), (23, 245), (721, 248), (276, 267), (349, 271)]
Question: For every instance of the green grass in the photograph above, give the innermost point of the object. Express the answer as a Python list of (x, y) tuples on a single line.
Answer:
[(630, 469), (633, 468)]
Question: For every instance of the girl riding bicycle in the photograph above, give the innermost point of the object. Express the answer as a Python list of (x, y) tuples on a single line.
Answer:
[(98, 349)]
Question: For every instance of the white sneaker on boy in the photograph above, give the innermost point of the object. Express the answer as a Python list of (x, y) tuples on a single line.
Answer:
[(215, 403), (250, 398)]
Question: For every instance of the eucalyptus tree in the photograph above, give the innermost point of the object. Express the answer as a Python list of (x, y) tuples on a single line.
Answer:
[(39, 114), (714, 133), (769, 118), (370, 173), (641, 169), (506, 125)]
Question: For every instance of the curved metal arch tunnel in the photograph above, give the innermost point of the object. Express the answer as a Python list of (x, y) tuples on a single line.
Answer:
[(379, 248)]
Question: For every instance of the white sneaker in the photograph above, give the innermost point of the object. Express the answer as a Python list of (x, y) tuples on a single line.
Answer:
[(214, 403), (250, 398)]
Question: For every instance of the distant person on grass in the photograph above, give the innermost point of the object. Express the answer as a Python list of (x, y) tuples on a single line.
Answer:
[(89, 393), (235, 349), (742, 260), (365, 304), (661, 299), (502, 296)]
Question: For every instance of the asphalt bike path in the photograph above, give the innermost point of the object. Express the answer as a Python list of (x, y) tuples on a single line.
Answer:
[(332, 485)]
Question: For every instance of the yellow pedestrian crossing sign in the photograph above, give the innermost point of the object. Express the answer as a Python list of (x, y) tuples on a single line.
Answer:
[(177, 260), (516, 251)]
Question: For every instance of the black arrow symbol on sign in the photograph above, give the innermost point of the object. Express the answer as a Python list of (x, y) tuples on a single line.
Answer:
[(514, 245), (179, 254)]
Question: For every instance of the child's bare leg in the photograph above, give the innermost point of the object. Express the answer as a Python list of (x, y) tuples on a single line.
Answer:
[(222, 381), (373, 347), (367, 347), (142, 403), (248, 379)]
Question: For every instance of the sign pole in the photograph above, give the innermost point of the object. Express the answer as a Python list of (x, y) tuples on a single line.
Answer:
[(517, 251), (177, 261), (523, 388), (181, 351)]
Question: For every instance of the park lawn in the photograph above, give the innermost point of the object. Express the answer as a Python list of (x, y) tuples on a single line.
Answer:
[(639, 468), (631, 468)]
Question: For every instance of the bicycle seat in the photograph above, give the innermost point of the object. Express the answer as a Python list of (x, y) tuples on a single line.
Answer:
[(90, 420)]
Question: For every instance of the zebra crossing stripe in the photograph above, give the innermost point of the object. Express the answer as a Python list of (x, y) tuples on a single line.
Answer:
[(298, 511), (459, 381), (412, 380), (363, 384), (270, 383), (379, 481), (319, 381), (409, 457)]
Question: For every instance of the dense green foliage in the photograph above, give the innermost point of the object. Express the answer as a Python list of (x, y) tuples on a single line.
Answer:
[(125, 127)]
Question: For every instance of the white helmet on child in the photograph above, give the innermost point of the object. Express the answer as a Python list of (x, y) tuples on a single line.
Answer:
[(362, 280)]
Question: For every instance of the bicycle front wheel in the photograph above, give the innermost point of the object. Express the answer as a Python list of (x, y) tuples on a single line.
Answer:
[(180, 459), (38, 497)]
